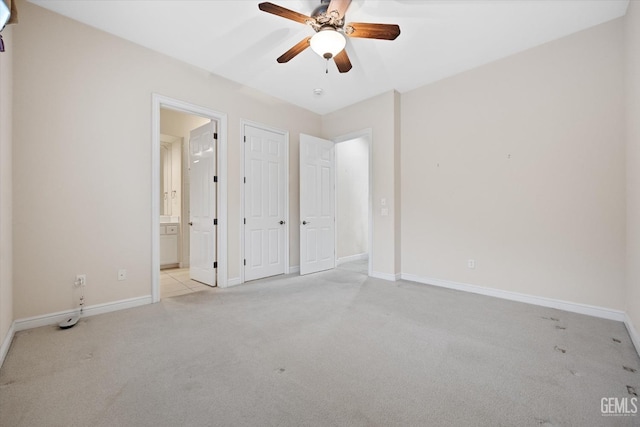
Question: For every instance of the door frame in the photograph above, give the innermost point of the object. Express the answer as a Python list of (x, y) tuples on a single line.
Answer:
[(285, 134), (160, 101), (368, 135)]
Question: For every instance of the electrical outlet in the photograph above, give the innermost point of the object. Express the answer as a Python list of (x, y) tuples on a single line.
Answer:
[(122, 274), (471, 263), (81, 280)]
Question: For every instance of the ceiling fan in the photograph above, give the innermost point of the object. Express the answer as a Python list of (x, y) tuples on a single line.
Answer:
[(331, 31)]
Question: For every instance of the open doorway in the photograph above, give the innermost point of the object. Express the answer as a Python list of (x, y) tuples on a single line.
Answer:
[(353, 202), (173, 125), (336, 225), (176, 129)]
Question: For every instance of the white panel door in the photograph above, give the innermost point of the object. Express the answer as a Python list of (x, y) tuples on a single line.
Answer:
[(264, 194), (317, 204), (202, 204)]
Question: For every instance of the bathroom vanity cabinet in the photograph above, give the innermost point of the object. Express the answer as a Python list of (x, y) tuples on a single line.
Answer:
[(169, 238)]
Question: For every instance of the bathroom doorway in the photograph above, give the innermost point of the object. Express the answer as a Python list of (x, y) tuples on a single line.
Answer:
[(175, 183), (172, 245)]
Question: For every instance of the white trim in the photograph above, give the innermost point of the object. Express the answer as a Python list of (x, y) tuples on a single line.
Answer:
[(350, 258), (6, 343), (294, 269), (235, 281), (385, 276), (160, 101), (368, 135), (633, 333), (53, 318), (589, 310), (285, 134)]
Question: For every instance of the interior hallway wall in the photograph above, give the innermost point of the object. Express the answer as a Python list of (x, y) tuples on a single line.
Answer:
[(179, 124), (632, 80), (6, 209), (520, 165), (377, 113), (88, 159), (352, 197)]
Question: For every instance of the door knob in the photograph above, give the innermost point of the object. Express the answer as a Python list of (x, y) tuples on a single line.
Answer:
[(190, 223), (281, 222), (305, 222)]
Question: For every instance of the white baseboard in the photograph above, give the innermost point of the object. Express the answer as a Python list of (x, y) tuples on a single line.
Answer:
[(233, 282), (386, 276), (589, 310), (350, 258), (6, 343), (53, 318), (294, 269), (633, 333)]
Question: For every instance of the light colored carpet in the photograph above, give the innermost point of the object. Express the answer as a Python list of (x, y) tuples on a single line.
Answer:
[(329, 349)]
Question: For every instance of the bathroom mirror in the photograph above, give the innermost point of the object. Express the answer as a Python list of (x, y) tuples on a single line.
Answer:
[(165, 178), (170, 175)]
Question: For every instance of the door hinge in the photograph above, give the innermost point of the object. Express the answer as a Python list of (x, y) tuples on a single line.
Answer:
[(215, 135), (245, 138), (215, 264), (245, 179), (215, 221), (245, 221), (215, 178), (245, 262)]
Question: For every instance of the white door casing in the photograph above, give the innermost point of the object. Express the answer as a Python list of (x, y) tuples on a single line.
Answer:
[(202, 205), (317, 204), (264, 203)]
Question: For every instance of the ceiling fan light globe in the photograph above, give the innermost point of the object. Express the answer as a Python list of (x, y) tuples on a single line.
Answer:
[(327, 42)]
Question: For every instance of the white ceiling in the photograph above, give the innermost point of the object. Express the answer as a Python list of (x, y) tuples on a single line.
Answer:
[(439, 38)]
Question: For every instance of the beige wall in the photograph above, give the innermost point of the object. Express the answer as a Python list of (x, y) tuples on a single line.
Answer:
[(519, 165), (179, 124), (632, 43), (6, 248), (376, 113), (82, 135), (352, 197)]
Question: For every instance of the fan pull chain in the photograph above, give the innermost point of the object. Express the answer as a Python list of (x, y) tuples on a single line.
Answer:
[(326, 70)]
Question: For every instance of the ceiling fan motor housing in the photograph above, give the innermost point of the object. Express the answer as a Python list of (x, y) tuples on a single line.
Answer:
[(322, 8)]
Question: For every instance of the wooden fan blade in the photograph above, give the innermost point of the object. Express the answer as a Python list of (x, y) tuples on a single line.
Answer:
[(283, 12), (295, 50), (374, 31), (339, 5), (342, 61)]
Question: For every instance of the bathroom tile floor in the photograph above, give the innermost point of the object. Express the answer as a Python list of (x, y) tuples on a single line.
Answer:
[(175, 281)]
